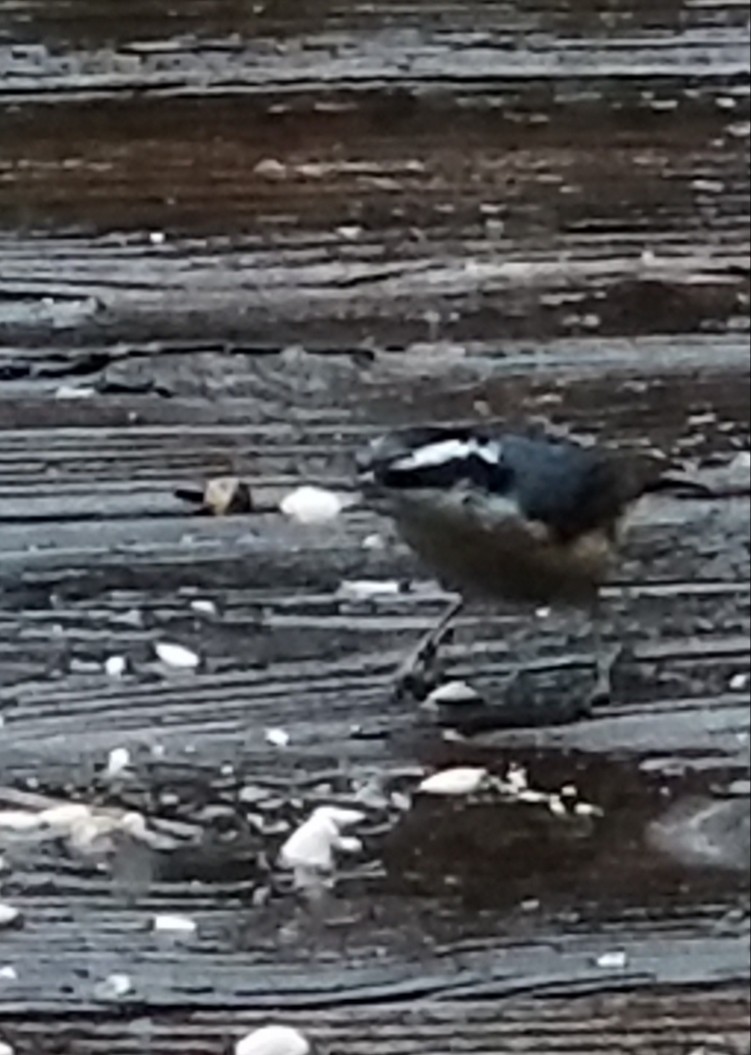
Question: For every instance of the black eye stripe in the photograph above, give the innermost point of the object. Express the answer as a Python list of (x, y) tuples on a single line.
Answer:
[(491, 476)]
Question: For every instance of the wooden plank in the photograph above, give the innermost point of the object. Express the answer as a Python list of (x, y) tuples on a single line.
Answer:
[(473, 210)]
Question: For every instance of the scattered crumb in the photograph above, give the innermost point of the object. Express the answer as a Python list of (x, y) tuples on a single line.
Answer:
[(277, 737), (174, 924), (367, 589), (176, 656), (312, 846), (311, 505), (271, 169), (75, 392), (557, 806), (19, 821), (616, 960), (118, 763), (10, 917), (517, 778), (350, 232), (226, 495), (222, 496), (273, 1040), (114, 987), (462, 780), (587, 809), (453, 692), (115, 666)]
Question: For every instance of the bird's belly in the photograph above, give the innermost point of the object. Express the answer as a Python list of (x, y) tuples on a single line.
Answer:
[(515, 560)]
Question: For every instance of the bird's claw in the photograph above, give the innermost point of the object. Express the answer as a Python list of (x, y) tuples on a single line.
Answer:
[(602, 691), (418, 675)]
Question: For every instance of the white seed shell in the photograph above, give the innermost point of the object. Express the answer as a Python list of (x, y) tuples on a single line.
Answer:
[(367, 589), (273, 1040), (453, 692), (174, 924), (462, 780), (118, 763), (115, 666), (616, 960), (311, 505), (176, 656)]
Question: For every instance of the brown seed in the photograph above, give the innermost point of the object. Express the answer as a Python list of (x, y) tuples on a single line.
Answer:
[(222, 496)]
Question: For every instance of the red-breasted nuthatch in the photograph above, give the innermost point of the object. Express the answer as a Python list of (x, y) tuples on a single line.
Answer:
[(505, 516)]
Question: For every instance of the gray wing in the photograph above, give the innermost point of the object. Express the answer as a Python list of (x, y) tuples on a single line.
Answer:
[(570, 488)]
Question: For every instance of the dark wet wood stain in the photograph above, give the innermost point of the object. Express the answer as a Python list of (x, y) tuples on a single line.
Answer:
[(477, 210)]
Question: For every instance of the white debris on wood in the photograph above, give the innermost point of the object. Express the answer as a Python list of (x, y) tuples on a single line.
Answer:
[(273, 1040), (174, 924), (531, 796), (176, 656), (453, 693), (557, 806), (277, 737), (312, 847), (6, 1049), (157, 237), (62, 819), (349, 844), (114, 987), (18, 821), (271, 169), (368, 589), (75, 392), (115, 666), (471, 780), (373, 542), (350, 232), (517, 778), (203, 607), (118, 763), (311, 505), (94, 835), (10, 916), (400, 801), (8, 973), (616, 960), (461, 780), (87, 831), (740, 682), (588, 809)]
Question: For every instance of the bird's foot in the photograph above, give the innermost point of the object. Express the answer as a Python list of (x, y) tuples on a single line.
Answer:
[(601, 693), (419, 674)]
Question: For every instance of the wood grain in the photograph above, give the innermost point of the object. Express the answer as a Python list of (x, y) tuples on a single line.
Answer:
[(243, 239)]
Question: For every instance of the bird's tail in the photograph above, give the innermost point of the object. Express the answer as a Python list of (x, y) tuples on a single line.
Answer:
[(681, 486)]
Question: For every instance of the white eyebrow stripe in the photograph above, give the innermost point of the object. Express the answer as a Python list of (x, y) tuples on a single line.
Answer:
[(443, 451)]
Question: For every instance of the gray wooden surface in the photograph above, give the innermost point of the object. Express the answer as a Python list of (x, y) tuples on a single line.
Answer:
[(243, 239)]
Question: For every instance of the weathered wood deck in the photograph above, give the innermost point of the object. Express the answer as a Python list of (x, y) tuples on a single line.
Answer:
[(240, 238)]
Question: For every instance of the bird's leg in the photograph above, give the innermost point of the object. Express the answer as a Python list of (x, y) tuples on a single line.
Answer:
[(414, 675), (605, 661)]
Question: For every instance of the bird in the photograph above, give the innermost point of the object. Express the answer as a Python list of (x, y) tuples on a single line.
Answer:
[(506, 515)]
